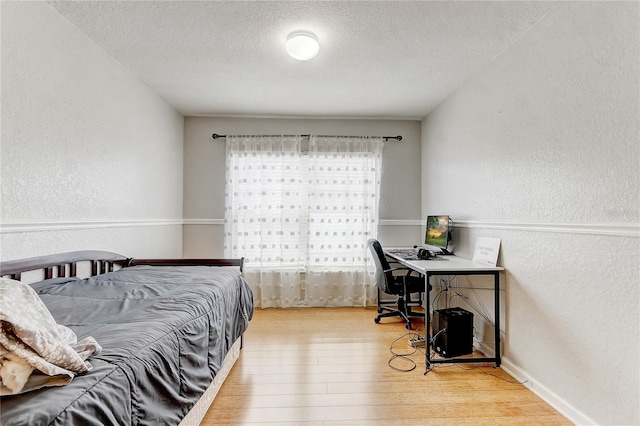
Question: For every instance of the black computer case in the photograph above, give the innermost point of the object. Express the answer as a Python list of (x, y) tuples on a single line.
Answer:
[(453, 331)]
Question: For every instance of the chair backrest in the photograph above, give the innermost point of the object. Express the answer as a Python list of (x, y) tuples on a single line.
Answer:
[(384, 278)]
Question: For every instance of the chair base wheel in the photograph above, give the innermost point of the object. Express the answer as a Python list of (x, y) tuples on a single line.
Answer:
[(377, 320)]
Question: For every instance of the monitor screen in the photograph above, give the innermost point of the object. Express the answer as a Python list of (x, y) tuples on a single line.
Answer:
[(437, 231)]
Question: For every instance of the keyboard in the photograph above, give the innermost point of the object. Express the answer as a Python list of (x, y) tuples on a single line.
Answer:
[(406, 254)]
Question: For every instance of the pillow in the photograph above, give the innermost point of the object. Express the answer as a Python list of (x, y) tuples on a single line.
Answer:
[(41, 285)]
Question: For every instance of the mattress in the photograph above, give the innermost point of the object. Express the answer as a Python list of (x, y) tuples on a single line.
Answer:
[(165, 332)]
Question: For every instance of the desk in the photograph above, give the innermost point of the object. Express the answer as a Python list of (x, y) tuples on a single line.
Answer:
[(453, 265)]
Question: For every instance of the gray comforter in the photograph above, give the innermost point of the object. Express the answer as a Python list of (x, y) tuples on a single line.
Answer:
[(164, 332)]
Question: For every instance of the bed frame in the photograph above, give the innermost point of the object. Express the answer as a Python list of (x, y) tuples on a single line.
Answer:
[(66, 264), (69, 264)]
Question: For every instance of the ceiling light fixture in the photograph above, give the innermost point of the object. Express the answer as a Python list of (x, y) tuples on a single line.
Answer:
[(302, 45)]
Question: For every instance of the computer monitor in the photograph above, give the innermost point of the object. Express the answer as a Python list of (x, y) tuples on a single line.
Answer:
[(438, 232)]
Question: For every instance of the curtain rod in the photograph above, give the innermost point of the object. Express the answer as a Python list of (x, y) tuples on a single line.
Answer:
[(386, 138)]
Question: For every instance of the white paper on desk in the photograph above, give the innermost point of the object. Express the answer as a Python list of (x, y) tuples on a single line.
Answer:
[(486, 251)]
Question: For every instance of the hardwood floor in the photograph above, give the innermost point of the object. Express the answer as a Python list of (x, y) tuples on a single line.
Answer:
[(330, 366)]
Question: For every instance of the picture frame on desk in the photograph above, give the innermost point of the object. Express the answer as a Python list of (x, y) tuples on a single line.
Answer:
[(486, 251)]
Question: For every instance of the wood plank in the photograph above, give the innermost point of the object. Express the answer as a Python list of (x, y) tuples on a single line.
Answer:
[(330, 366)]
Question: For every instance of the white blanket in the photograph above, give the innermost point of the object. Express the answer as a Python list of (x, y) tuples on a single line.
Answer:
[(35, 351)]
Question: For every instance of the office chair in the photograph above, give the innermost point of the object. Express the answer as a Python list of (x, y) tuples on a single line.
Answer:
[(399, 285)]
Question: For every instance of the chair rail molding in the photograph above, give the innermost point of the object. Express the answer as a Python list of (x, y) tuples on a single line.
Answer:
[(631, 230), (403, 222), (611, 229), (203, 221), (14, 228)]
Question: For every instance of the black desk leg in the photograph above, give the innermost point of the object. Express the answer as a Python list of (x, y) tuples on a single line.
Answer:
[(427, 322)]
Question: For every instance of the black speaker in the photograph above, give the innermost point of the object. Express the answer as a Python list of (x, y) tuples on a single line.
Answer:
[(453, 331)]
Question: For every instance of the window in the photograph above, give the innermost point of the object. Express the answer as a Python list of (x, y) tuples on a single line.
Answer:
[(289, 212)]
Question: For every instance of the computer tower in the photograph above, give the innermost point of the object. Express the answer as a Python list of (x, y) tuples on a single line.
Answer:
[(453, 331)]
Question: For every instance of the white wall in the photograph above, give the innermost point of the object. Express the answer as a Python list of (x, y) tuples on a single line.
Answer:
[(204, 174), (541, 149), (91, 157)]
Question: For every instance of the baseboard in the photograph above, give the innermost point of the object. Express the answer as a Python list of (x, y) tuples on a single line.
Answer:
[(559, 404), (563, 407)]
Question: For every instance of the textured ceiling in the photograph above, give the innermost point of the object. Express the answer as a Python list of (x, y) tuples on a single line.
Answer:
[(383, 59)]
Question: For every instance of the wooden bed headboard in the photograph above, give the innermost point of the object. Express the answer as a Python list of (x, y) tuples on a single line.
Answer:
[(66, 264)]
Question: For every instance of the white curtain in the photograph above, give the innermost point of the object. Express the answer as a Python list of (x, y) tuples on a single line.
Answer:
[(302, 220)]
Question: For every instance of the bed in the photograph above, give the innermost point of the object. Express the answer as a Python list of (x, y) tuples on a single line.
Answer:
[(170, 331)]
